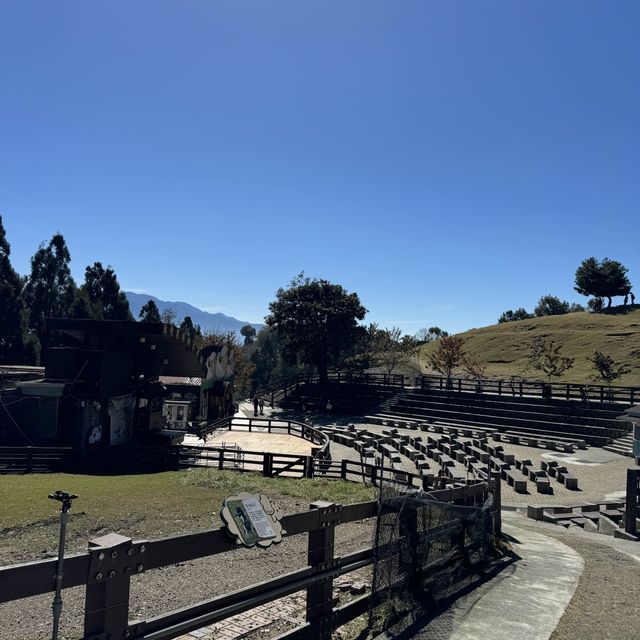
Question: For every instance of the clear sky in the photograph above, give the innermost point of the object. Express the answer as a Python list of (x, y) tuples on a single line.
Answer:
[(446, 160)]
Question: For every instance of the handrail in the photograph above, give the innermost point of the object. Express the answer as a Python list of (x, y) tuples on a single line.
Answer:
[(281, 388), (305, 431), (520, 387)]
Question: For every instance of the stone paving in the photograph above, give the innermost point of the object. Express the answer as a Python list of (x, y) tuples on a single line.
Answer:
[(290, 609)]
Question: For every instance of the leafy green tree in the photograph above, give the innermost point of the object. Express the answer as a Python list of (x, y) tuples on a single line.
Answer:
[(602, 279), (317, 321), (50, 289), (512, 316), (266, 355), (150, 312), (576, 308), (248, 333), (193, 331), (447, 357), (545, 356), (17, 346), (104, 293), (606, 369), (551, 306), (83, 309)]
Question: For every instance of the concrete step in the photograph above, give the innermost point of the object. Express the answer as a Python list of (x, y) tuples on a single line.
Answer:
[(622, 450)]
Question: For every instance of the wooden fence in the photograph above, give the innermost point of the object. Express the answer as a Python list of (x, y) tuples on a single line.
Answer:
[(548, 390), (35, 459), (268, 425), (106, 570), (283, 388)]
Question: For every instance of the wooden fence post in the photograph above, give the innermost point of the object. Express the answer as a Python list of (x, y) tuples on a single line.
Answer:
[(113, 560), (497, 503), (343, 468), (631, 507), (320, 556), (267, 464), (308, 467)]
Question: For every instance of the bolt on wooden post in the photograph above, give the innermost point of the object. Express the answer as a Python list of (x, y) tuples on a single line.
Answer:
[(320, 555)]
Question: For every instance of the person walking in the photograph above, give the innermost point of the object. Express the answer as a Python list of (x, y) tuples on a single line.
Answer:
[(261, 404), (255, 405)]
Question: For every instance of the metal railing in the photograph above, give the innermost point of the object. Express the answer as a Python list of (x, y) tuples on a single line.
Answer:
[(548, 390)]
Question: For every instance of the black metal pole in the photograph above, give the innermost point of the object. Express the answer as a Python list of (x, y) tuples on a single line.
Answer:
[(65, 498)]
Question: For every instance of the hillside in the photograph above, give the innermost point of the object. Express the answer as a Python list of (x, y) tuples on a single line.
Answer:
[(504, 347), (213, 322)]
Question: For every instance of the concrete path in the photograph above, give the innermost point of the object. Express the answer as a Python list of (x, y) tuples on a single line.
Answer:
[(528, 600)]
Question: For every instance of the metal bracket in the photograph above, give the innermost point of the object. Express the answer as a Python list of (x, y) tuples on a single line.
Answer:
[(329, 516), (112, 555)]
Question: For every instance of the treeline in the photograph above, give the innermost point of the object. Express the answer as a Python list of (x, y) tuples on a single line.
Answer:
[(50, 291), (599, 279)]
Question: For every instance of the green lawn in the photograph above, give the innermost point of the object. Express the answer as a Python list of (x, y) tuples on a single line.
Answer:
[(140, 506), (504, 347)]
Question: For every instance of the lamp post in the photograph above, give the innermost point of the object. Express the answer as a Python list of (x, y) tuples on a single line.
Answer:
[(65, 499)]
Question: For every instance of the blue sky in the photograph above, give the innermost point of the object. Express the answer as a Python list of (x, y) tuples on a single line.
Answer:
[(446, 160)]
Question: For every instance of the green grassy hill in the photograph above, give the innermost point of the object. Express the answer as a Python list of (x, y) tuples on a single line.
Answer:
[(504, 347)]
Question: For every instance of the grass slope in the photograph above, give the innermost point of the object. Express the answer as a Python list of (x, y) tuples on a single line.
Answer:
[(504, 347), (140, 506)]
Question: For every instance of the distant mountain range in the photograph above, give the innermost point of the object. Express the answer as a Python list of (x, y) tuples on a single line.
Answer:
[(217, 322)]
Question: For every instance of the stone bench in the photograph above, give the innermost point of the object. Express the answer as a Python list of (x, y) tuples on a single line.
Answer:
[(543, 484), (509, 458), (571, 482), (447, 461), (519, 484)]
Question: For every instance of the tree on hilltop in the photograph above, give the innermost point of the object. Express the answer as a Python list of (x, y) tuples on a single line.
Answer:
[(602, 279), (431, 334), (551, 306), (317, 321), (512, 316)]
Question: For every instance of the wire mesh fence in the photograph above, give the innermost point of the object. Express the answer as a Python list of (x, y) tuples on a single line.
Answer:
[(425, 552)]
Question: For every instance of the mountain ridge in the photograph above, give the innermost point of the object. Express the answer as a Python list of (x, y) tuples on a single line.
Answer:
[(212, 322)]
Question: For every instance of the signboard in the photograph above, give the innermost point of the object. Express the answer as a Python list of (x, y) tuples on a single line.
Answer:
[(252, 519)]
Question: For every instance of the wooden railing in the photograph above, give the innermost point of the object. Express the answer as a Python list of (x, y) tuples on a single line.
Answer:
[(283, 388), (270, 425), (106, 570), (35, 459), (273, 465), (548, 390)]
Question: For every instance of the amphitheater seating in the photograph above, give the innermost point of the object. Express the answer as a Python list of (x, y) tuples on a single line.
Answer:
[(553, 424)]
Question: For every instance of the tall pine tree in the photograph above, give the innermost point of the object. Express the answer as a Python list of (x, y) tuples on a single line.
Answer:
[(104, 293), (16, 345), (50, 289)]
